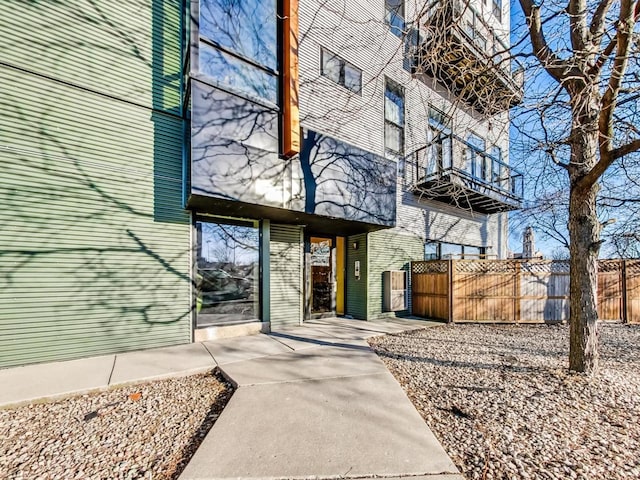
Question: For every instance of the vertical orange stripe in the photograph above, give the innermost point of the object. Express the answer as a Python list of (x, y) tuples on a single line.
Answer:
[(340, 266), (290, 110)]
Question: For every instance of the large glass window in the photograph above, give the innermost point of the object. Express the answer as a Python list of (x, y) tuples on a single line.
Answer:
[(238, 45), (227, 277), (394, 117), (240, 76), (341, 71), (395, 16)]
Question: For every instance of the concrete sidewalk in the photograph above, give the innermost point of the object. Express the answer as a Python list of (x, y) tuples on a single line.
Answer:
[(312, 402)]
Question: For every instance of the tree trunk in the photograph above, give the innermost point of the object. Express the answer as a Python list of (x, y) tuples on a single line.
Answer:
[(584, 230)]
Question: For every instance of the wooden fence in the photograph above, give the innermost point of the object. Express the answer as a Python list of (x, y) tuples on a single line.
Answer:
[(518, 291)]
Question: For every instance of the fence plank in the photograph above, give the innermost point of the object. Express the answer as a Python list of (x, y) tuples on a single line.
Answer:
[(632, 291), (430, 290), (511, 291)]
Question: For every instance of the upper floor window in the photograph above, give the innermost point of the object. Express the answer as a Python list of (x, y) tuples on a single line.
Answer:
[(395, 16), (341, 71), (393, 117), (476, 31), (477, 162), (439, 121), (497, 9), (439, 153), (238, 46)]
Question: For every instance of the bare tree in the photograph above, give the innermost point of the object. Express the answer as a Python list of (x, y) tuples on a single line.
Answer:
[(590, 52)]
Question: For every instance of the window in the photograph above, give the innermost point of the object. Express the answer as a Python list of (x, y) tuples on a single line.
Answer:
[(340, 71), (238, 46), (476, 159), (450, 251), (227, 275), (497, 9), (431, 251), (471, 253), (474, 28), (439, 141), (395, 16), (393, 117), (447, 251), (496, 153)]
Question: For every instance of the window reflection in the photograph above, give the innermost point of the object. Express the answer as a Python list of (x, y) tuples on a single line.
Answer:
[(238, 46), (237, 74), (227, 276), (248, 27), (340, 71)]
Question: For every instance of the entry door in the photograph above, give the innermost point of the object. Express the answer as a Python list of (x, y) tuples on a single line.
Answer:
[(322, 275)]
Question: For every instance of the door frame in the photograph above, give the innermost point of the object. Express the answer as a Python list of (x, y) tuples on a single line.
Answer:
[(308, 287)]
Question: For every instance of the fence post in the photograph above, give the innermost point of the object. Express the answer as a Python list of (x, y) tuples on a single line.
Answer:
[(410, 289), (625, 318)]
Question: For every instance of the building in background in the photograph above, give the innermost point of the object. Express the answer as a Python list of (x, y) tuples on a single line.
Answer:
[(173, 172)]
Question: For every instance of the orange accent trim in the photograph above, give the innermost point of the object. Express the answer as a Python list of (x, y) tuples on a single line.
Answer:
[(290, 109), (340, 257)]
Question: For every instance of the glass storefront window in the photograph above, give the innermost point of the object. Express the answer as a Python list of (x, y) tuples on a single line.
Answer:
[(228, 275)]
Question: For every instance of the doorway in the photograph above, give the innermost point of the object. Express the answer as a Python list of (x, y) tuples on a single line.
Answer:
[(325, 276)]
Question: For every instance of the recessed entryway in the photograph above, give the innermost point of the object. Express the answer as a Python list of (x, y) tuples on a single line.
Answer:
[(324, 272)]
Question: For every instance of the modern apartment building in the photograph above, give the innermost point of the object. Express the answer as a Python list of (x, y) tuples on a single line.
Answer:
[(173, 171)]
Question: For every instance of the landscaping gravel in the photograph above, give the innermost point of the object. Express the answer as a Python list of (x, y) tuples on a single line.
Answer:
[(504, 405), (148, 430)]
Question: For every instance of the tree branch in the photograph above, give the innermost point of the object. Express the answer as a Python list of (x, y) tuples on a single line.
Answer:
[(630, 147), (599, 168), (624, 32), (556, 67), (596, 28), (577, 25)]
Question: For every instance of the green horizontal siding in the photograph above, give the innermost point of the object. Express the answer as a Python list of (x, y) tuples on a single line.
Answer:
[(130, 50), (286, 265), (357, 289), (94, 242), (389, 250)]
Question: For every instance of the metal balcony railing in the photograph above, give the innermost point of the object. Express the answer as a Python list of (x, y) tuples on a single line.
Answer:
[(457, 45), (454, 171)]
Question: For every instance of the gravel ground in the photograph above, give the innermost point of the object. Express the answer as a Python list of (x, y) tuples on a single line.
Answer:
[(149, 430), (504, 405)]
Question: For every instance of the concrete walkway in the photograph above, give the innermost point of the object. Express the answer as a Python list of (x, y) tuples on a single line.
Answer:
[(311, 402)]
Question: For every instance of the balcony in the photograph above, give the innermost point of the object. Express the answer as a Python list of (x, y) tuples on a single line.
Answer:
[(459, 49), (453, 171)]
